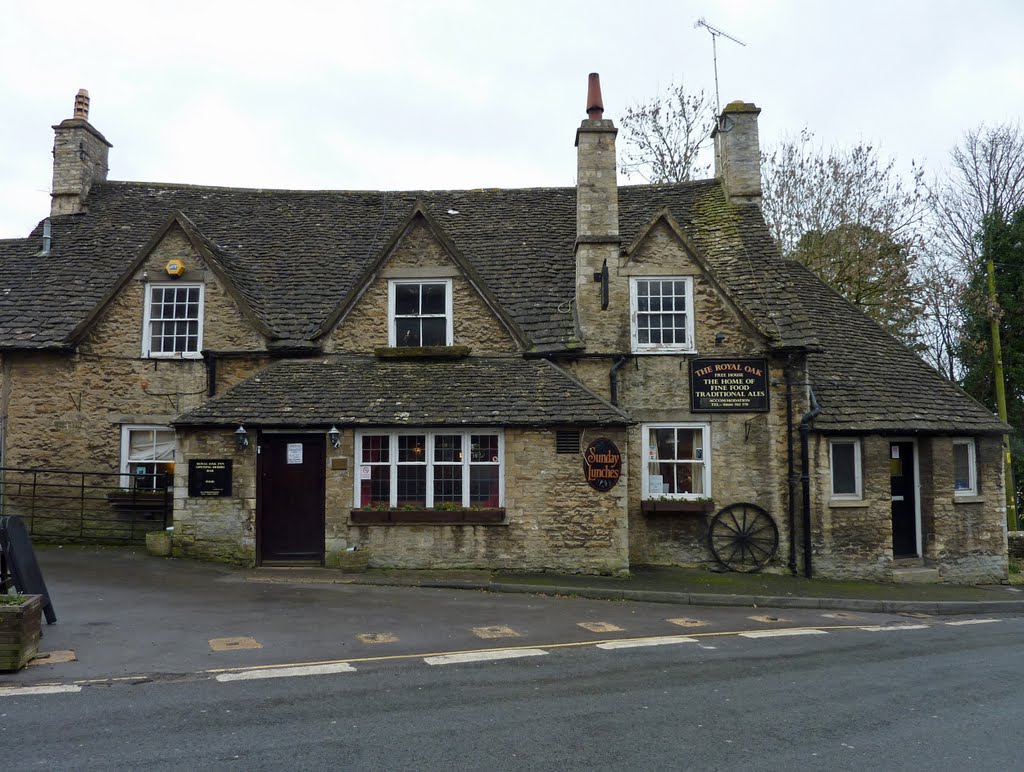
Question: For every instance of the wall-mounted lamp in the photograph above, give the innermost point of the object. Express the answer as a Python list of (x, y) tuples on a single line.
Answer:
[(241, 438), (335, 437), (719, 338)]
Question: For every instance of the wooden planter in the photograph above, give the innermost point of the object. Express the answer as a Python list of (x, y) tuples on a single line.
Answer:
[(677, 507), (19, 632), (434, 516), (144, 501)]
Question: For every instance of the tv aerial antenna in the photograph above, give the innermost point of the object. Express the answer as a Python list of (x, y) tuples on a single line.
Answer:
[(715, 34)]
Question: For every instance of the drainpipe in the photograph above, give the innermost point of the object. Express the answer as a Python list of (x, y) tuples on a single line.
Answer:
[(613, 380), (805, 476), (791, 470)]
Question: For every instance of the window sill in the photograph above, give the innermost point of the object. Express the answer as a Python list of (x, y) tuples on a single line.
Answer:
[(428, 516), (847, 503), (676, 507), (974, 499), (421, 352), (664, 351)]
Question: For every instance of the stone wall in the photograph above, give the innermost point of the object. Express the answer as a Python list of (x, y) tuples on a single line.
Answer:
[(963, 537), (420, 255), (554, 519), (214, 527)]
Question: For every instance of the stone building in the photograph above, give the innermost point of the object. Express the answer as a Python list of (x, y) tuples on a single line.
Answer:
[(578, 379)]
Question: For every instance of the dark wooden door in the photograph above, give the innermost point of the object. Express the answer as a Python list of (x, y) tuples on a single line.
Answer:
[(290, 498), (904, 499)]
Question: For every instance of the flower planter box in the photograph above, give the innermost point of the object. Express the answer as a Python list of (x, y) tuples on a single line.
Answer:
[(19, 632), (431, 516), (158, 543), (140, 501), (678, 507)]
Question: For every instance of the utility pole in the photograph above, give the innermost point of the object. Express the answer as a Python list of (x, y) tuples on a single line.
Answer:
[(995, 313)]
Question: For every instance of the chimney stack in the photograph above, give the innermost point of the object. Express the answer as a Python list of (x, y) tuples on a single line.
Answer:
[(738, 152), (79, 159), (598, 305)]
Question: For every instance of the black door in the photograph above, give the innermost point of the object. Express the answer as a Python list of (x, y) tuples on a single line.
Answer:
[(290, 498), (904, 499)]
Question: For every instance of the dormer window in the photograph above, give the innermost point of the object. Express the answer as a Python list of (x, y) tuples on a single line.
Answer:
[(420, 312), (173, 321), (661, 311)]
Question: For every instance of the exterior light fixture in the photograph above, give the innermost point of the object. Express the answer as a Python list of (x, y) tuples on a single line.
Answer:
[(241, 438), (335, 437)]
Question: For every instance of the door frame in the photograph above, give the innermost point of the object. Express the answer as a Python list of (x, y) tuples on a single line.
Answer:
[(259, 487), (917, 492)]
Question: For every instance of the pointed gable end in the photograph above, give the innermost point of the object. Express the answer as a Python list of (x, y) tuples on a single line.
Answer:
[(663, 247), (419, 262), (202, 264)]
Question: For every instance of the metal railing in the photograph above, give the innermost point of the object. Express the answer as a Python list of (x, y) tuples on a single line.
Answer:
[(89, 507)]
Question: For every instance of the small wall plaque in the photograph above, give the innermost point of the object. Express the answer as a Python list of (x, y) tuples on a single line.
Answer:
[(209, 477)]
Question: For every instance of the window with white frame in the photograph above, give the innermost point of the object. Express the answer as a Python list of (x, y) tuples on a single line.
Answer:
[(430, 469), (677, 461), (147, 457), (173, 321), (844, 462), (420, 312), (965, 468), (661, 310)]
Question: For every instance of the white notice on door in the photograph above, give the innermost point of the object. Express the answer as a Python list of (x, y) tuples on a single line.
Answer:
[(294, 452)]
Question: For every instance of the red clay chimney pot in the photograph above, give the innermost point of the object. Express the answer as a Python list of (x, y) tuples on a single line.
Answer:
[(595, 105)]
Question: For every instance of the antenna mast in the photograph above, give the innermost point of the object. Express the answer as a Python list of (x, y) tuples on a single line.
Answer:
[(715, 33)]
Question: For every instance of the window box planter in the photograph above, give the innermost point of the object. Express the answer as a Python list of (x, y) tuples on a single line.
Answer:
[(676, 507), (140, 501), (432, 516), (19, 630)]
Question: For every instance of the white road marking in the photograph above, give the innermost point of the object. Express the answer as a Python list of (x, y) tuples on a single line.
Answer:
[(483, 656), (664, 640), (20, 691), (287, 672), (888, 628), (781, 633), (972, 622)]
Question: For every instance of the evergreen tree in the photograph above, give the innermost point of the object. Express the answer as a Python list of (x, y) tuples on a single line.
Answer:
[(1003, 240)]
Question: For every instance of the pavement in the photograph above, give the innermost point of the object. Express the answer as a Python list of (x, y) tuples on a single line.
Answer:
[(124, 615)]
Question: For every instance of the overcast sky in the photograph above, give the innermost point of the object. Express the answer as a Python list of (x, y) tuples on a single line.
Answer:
[(465, 93)]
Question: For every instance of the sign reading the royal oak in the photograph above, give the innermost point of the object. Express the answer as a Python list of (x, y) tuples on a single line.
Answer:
[(209, 477), (602, 464), (729, 385)]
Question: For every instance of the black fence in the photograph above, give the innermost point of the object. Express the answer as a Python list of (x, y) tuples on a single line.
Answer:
[(64, 505)]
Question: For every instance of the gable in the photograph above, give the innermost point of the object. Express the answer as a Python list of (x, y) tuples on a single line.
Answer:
[(420, 253), (117, 327)]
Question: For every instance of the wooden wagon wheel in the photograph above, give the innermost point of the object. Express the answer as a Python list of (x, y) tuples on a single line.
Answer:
[(743, 537)]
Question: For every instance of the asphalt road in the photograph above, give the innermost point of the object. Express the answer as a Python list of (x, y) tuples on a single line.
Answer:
[(923, 694)]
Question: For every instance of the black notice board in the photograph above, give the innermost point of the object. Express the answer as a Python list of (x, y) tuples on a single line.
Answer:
[(209, 477), (737, 385), (16, 551)]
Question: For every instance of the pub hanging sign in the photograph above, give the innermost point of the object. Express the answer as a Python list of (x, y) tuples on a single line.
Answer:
[(729, 385), (602, 464)]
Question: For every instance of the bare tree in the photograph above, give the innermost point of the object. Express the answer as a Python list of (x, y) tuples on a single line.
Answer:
[(849, 216), (986, 176), (940, 324), (665, 136)]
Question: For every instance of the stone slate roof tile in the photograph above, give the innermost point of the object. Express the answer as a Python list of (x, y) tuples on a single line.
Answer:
[(295, 255), (866, 380), (366, 391)]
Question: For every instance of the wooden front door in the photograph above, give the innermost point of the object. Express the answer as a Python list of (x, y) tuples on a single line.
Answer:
[(290, 498), (904, 499)]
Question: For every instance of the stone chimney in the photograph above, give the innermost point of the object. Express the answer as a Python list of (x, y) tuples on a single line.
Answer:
[(738, 152), (79, 159), (597, 227)]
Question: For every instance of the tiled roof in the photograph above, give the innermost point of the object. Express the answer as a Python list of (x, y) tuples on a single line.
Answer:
[(366, 391), (295, 255), (866, 380)]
